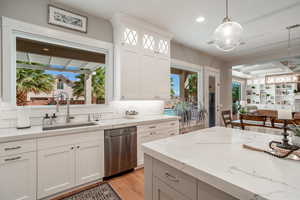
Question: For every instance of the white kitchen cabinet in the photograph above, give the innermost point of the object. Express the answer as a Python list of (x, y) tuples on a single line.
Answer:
[(68, 161), (89, 161), (130, 71), (152, 132), (18, 177), (162, 191), (161, 72), (142, 60), (56, 170)]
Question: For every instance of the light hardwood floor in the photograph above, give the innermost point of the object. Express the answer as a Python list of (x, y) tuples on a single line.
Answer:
[(130, 186)]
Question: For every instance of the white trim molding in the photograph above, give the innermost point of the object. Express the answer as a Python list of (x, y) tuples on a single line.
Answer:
[(11, 29)]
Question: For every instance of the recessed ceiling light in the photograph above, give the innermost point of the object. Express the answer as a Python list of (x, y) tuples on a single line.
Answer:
[(200, 19), (45, 49)]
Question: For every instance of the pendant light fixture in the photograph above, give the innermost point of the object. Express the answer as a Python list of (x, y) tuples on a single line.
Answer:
[(227, 36)]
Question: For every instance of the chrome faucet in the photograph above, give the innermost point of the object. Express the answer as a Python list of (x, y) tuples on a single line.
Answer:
[(60, 96)]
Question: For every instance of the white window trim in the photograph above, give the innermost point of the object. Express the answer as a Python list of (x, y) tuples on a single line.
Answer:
[(12, 28)]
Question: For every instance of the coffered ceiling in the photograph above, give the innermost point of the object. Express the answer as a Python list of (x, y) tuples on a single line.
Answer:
[(264, 21)]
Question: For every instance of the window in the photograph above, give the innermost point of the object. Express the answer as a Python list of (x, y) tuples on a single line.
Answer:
[(163, 47), (148, 42), (184, 87), (60, 84), (44, 70), (236, 91), (130, 37)]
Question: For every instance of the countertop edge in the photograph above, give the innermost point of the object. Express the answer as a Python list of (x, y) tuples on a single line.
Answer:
[(42, 134)]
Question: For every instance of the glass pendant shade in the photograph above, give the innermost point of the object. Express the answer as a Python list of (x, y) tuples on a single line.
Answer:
[(228, 35)]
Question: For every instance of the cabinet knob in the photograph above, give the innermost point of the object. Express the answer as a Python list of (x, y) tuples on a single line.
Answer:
[(78, 147), (72, 148)]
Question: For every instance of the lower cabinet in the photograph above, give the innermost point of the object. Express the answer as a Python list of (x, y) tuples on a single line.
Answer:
[(152, 132), (89, 162), (56, 170), (18, 177), (162, 191), (75, 163)]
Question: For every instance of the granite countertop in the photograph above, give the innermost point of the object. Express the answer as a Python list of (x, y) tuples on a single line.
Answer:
[(13, 134), (216, 157)]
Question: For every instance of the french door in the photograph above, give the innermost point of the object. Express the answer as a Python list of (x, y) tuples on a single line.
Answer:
[(212, 96)]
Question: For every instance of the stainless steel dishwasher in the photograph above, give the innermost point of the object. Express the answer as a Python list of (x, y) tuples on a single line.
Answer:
[(120, 150)]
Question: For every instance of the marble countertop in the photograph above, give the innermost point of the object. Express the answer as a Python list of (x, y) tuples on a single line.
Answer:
[(13, 134), (216, 157)]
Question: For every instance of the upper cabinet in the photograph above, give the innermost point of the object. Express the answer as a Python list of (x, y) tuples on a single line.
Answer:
[(142, 60)]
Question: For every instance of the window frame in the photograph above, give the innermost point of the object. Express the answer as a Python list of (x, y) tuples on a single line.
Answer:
[(13, 29)]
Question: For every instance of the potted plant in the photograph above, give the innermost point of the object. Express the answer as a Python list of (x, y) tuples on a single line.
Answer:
[(295, 129), (242, 110)]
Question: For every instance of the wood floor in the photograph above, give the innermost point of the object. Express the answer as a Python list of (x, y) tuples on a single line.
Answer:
[(129, 186)]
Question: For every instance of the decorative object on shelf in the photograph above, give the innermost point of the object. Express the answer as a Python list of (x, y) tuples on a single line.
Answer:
[(63, 18), (227, 36)]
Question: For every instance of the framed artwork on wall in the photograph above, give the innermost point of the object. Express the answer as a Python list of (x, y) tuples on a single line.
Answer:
[(63, 18)]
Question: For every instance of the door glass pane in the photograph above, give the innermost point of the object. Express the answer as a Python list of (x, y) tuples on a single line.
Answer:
[(184, 100), (212, 101)]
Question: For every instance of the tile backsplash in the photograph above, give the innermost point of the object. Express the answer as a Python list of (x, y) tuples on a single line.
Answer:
[(115, 109)]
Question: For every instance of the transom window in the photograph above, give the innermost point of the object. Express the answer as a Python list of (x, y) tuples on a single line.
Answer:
[(163, 46), (148, 42), (130, 37)]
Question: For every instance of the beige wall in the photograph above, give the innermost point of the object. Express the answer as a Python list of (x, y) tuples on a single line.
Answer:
[(184, 53), (36, 12)]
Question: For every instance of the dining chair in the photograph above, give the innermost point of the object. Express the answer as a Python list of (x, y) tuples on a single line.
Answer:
[(227, 119), (252, 120)]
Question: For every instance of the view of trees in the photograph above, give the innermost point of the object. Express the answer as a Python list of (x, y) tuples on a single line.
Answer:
[(32, 80), (98, 86)]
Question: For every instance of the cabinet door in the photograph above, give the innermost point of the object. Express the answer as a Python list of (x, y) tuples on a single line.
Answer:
[(162, 78), (56, 170), (89, 161), (148, 84), (18, 177), (130, 74), (162, 191)]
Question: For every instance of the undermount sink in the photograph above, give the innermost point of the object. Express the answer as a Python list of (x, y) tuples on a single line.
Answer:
[(71, 125)]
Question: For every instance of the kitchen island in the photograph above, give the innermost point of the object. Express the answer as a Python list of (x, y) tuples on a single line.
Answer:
[(211, 164)]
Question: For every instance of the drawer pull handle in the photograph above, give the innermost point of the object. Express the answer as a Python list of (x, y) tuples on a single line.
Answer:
[(12, 159), (172, 124), (152, 133), (152, 127), (12, 148), (171, 177)]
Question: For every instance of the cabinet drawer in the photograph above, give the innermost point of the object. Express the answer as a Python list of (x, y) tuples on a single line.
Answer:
[(179, 181), (169, 125), (56, 141), (17, 147), (158, 126), (146, 128)]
